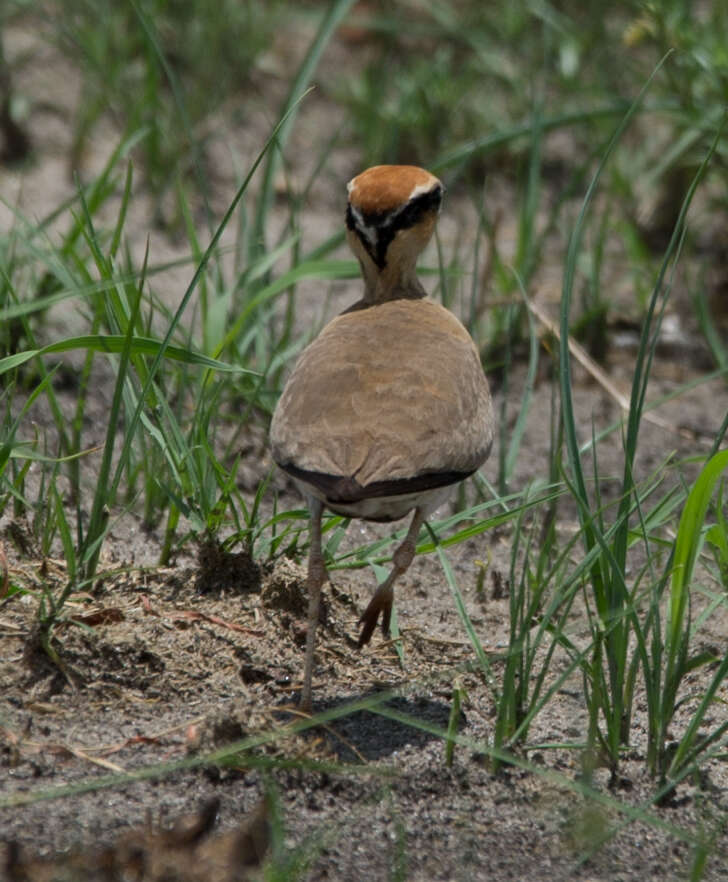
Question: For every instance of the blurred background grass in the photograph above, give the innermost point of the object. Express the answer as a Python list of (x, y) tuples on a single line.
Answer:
[(516, 98)]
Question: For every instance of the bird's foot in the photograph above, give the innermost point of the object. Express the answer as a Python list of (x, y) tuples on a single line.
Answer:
[(381, 603)]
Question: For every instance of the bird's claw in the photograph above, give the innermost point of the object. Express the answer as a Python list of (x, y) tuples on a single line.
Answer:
[(380, 604)]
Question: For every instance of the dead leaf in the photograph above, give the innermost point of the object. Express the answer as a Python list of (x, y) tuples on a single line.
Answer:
[(109, 615), (187, 852), (190, 615)]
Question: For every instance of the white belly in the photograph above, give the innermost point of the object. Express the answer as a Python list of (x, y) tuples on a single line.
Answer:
[(381, 508)]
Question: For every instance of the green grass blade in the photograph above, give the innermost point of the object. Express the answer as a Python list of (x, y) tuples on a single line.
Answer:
[(462, 611), (166, 341), (688, 542), (115, 344), (565, 378), (333, 17)]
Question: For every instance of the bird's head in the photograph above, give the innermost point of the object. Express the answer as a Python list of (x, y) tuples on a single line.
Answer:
[(390, 217)]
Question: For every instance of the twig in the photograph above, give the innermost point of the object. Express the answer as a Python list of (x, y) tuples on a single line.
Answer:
[(591, 367)]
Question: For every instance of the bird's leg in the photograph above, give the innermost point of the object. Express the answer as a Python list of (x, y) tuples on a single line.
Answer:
[(316, 578), (384, 595)]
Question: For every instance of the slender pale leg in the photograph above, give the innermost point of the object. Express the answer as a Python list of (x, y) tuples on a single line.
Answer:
[(316, 578), (384, 595)]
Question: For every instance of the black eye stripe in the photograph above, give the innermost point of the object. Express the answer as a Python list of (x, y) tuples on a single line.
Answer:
[(387, 224), (409, 214)]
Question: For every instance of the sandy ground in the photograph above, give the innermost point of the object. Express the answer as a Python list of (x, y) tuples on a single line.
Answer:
[(170, 663)]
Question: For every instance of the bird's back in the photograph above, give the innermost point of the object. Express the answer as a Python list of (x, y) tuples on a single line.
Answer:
[(389, 394)]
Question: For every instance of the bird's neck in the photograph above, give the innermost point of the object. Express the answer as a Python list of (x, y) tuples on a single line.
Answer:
[(395, 281)]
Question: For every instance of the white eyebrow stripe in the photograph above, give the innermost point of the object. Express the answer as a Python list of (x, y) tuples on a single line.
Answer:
[(369, 232), (427, 187)]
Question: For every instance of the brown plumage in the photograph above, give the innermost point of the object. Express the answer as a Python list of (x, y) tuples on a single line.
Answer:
[(389, 407)]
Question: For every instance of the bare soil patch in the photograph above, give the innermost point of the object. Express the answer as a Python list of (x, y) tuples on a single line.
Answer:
[(173, 662)]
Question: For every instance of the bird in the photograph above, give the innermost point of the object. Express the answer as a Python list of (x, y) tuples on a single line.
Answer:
[(389, 407)]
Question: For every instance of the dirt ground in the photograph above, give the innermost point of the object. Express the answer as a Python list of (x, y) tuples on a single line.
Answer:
[(166, 669), (171, 663)]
